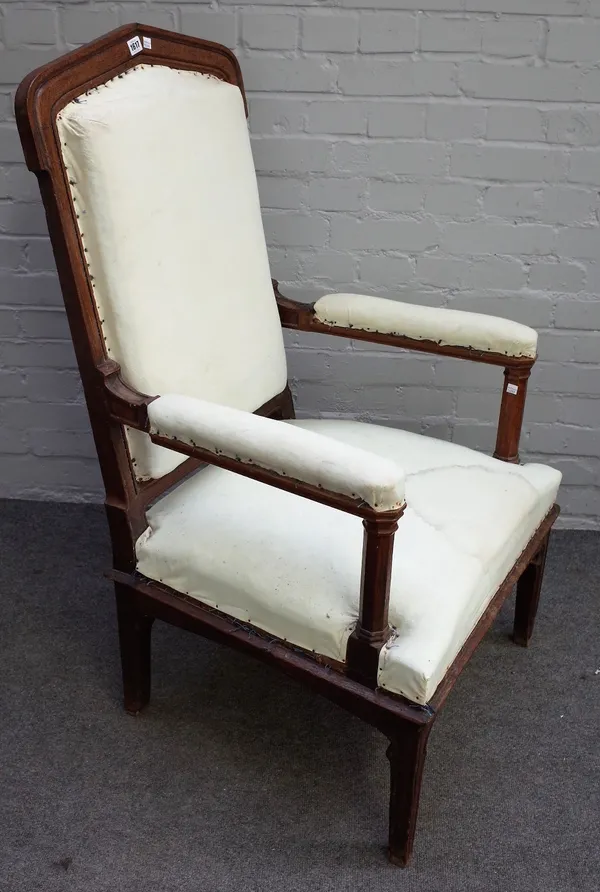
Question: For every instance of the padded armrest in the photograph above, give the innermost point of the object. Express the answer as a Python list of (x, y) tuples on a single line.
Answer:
[(454, 328), (281, 448)]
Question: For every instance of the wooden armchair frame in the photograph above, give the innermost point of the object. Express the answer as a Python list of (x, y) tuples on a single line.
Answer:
[(113, 404)]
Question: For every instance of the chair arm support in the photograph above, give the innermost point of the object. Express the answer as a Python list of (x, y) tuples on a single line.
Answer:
[(464, 335), (312, 466), (489, 335), (512, 409), (446, 327), (292, 458), (472, 336)]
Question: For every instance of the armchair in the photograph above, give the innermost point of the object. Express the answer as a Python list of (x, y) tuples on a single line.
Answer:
[(228, 516)]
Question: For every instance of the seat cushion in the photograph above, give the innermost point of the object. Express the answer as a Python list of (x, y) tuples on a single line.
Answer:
[(162, 179), (292, 567)]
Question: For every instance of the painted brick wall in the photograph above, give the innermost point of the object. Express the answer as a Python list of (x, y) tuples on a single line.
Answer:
[(441, 150)]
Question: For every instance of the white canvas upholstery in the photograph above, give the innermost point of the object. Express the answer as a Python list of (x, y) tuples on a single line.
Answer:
[(163, 182), (292, 567), (283, 448), (449, 327)]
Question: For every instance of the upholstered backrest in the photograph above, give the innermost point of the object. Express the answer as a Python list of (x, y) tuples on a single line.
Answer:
[(163, 184)]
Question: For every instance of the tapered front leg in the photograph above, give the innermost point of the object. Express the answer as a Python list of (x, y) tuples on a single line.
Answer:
[(134, 639), (406, 753), (528, 596)]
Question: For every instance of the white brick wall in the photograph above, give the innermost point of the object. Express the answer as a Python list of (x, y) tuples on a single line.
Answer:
[(446, 151)]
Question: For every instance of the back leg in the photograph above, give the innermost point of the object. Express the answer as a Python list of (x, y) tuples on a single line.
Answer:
[(134, 640), (528, 596)]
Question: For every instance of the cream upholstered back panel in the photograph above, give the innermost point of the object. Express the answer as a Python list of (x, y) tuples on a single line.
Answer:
[(163, 182)]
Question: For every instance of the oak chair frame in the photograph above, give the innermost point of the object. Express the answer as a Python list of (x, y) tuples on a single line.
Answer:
[(113, 404)]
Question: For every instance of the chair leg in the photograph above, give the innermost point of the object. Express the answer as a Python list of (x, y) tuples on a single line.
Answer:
[(528, 596), (406, 753), (134, 639)]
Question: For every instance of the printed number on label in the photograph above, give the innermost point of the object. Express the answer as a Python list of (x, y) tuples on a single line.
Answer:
[(512, 388), (135, 45)]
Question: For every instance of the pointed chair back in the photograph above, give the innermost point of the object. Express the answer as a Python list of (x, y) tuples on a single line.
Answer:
[(145, 168)]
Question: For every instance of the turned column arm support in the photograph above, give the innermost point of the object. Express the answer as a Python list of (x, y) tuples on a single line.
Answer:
[(512, 409), (373, 629)]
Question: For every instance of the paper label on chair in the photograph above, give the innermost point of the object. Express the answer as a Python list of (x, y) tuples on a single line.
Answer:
[(135, 45), (147, 41), (512, 388)]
